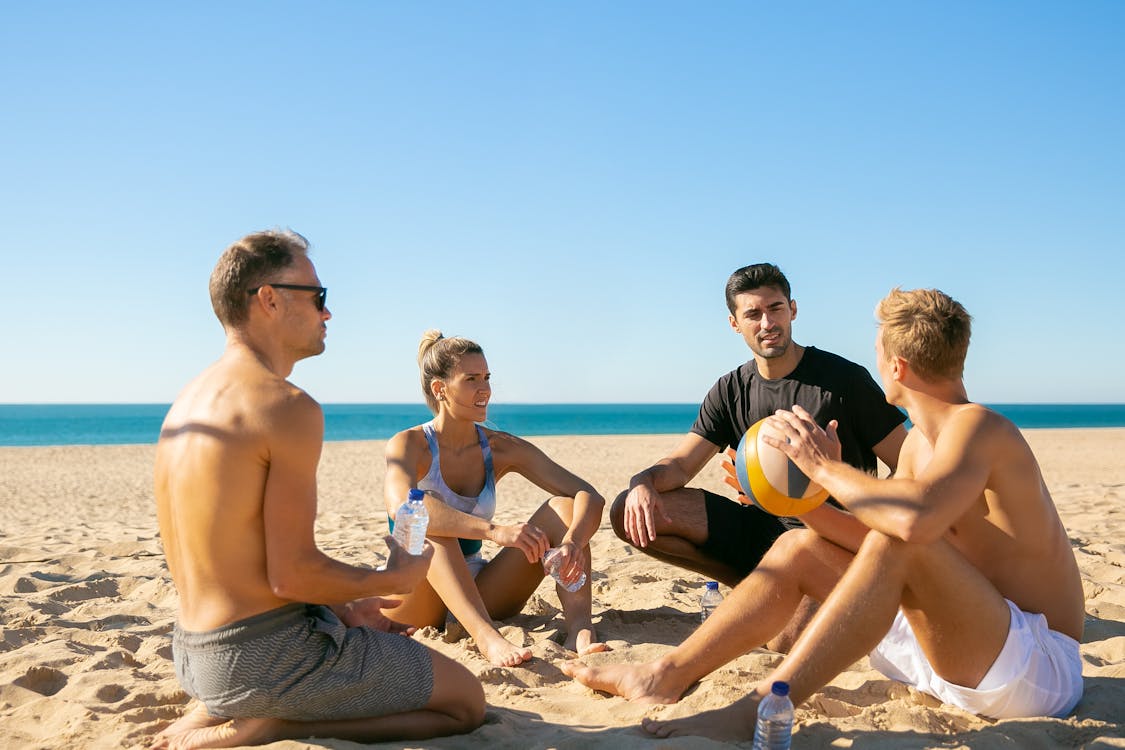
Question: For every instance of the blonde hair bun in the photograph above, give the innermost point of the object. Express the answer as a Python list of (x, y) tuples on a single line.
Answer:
[(429, 338)]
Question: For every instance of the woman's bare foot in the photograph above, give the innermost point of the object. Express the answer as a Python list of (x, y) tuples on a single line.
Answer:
[(232, 733), (729, 724), (583, 640), (640, 683), (500, 652)]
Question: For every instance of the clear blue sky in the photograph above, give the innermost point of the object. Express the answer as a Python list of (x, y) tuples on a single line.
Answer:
[(570, 184)]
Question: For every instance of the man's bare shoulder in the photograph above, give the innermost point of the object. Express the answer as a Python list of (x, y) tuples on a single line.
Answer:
[(241, 399), (982, 426), (284, 401)]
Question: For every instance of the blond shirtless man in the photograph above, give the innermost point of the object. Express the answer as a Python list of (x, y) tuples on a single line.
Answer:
[(956, 575), (274, 638)]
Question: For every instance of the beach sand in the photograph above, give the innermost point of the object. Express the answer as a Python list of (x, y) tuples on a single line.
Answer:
[(87, 607)]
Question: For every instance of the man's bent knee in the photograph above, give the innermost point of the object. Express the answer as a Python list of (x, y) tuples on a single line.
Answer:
[(793, 543), (457, 693), (470, 714), (876, 543), (617, 517)]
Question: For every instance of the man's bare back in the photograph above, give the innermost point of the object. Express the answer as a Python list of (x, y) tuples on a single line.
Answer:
[(212, 463)]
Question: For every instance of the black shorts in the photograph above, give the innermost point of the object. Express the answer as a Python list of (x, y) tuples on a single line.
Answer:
[(739, 535)]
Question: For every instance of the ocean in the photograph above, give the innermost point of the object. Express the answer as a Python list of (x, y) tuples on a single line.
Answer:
[(126, 424)]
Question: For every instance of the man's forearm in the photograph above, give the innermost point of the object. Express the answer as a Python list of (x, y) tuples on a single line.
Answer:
[(661, 477)]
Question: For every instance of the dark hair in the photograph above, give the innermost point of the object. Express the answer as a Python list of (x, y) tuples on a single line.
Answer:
[(250, 262), (437, 356), (749, 278)]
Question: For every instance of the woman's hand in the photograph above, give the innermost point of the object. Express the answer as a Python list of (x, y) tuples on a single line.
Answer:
[(573, 561), (531, 540)]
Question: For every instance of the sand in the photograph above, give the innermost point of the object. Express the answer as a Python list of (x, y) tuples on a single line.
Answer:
[(87, 607)]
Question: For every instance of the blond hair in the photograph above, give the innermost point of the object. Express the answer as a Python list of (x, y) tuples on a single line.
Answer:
[(927, 328), (437, 357)]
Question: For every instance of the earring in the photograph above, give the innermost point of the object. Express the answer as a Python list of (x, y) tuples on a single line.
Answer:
[(441, 396)]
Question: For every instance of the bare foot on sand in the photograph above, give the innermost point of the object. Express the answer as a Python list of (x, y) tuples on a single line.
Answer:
[(196, 718), (227, 733), (730, 724), (583, 640), (500, 652), (640, 683)]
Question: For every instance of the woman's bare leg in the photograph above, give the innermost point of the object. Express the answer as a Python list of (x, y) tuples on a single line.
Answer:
[(452, 584), (509, 581)]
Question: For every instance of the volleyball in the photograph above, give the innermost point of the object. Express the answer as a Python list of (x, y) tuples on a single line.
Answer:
[(770, 480)]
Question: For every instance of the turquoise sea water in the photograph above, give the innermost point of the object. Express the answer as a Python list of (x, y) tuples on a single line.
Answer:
[(115, 424)]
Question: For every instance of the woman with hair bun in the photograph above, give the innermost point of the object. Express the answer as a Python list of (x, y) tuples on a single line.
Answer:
[(457, 463)]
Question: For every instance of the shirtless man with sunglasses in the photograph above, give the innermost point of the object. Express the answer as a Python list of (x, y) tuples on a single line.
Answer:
[(274, 638)]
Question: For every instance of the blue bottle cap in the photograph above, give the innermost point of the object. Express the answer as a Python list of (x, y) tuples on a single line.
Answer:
[(415, 494), (713, 585), (780, 688)]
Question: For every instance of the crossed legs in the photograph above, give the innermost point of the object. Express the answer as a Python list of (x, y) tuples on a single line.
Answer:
[(959, 617), (680, 540)]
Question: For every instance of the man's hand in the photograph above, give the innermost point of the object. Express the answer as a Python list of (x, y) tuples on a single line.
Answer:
[(731, 479), (529, 539), (803, 440), (367, 613), (642, 507), (409, 570)]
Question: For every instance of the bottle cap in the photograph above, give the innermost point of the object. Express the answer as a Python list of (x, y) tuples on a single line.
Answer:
[(415, 494), (713, 585), (780, 688)]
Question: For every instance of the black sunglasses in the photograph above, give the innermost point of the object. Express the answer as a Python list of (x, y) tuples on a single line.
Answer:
[(319, 300)]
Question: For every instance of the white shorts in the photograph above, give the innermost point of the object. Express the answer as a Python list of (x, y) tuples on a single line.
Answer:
[(1037, 673)]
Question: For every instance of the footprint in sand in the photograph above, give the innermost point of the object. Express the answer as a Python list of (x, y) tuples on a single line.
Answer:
[(42, 680), (99, 589), (111, 693), (13, 638), (25, 585), (497, 676), (115, 660)]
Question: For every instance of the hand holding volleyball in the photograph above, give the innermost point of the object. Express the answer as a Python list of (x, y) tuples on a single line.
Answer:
[(806, 443), (766, 473)]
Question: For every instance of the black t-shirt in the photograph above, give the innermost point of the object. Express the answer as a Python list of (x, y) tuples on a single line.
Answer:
[(827, 385)]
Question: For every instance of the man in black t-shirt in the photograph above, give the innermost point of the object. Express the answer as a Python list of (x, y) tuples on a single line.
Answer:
[(716, 536)]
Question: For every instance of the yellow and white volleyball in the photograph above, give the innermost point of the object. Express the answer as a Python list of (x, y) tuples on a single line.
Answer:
[(770, 479)]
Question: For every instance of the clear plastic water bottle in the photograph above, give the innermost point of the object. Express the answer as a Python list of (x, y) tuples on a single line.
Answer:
[(411, 522), (711, 599), (775, 719), (552, 563)]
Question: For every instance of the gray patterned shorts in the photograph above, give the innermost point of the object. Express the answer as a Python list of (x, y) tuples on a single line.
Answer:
[(300, 662)]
